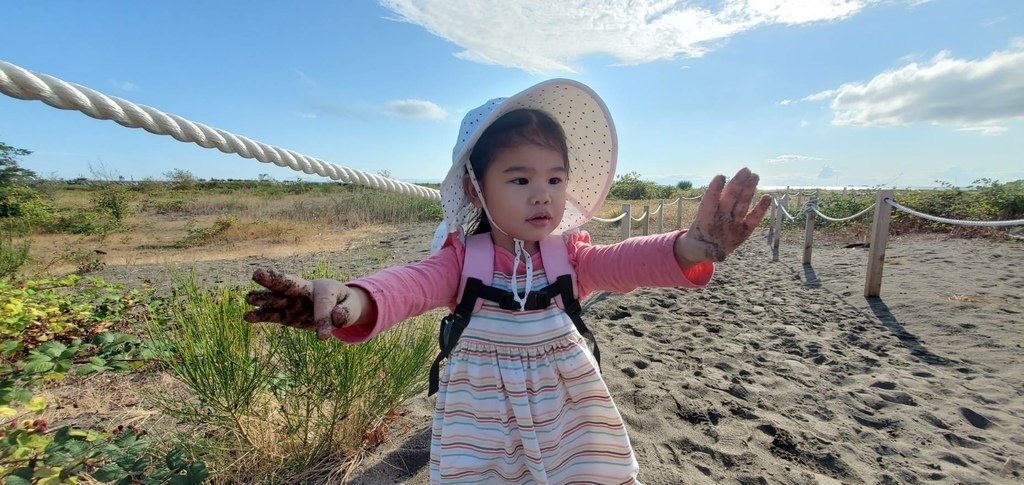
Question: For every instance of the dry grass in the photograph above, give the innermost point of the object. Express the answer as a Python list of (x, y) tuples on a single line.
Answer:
[(965, 298), (168, 227)]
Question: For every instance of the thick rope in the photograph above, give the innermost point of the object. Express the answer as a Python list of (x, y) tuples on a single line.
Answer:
[(23, 84), (843, 219), (785, 212), (642, 216), (614, 219), (1016, 222), (656, 211)]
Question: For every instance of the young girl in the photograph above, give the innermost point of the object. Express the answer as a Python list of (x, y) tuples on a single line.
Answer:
[(521, 399)]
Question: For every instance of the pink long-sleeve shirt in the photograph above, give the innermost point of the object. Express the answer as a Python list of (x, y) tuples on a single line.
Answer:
[(404, 291)]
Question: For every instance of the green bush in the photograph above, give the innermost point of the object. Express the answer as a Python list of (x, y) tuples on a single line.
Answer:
[(198, 236), (81, 221), (181, 179), (631, 187), (278, 400), (113, 200), (25, 204), (12, 256)]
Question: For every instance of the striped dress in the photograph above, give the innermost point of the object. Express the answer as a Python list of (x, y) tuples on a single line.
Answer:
[(521, 401), (520, 398)]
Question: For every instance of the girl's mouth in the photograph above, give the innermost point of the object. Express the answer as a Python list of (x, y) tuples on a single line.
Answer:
[(539, 220)]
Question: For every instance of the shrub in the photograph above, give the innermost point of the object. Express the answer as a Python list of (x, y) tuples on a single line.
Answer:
[(114, 200), (12, 256), (26, 205), (278, 400), (630, 186), (181, 179), (684, 185), (198, 236)]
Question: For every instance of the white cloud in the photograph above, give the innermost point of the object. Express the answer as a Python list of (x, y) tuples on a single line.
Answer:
[(803, 123), (549, 36), (828, 172), (415, 109), (126, 85), (409, 109), (831, 93), (985, 130), (785, 102), (793, 158), (976, 95)]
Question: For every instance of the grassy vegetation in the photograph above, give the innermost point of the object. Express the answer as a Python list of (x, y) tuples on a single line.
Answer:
[(264, 404), (251, 404)]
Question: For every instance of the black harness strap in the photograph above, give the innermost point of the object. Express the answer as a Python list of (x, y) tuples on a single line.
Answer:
[(452, 327), (454, 324), (575, 311)]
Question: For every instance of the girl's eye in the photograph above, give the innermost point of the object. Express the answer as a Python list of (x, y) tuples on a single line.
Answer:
[(520, 181), (554, 180)]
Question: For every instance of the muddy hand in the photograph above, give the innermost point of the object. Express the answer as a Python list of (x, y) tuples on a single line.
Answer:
[(722, 221), (292, 301)]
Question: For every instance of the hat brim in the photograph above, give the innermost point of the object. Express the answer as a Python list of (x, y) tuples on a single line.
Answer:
[(590, 135)]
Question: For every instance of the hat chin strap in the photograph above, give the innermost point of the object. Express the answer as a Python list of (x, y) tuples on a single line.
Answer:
[(520, 249)]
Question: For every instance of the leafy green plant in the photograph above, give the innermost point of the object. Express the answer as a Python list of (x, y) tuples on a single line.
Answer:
[(30, 454), (37, 311)]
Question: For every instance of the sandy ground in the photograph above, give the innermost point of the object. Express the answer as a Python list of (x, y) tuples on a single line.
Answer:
[(779, 372)]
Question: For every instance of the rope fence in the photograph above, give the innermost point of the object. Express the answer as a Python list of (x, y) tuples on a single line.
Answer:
[(20, 83), (882, 208), (645, 217)]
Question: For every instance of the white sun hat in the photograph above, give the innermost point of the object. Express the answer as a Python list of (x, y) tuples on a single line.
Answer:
[(590, 136)]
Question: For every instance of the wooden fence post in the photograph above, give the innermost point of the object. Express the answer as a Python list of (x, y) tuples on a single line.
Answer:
[(647, 220), (679, 212), (661, 216), (879, 239), (627, 222), (778, 228), (809, 229), (771, 225)]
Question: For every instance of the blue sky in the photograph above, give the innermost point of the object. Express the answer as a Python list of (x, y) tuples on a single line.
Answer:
[(805, 93)]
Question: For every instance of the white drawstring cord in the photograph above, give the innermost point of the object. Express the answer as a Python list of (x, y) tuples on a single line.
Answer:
[(520, 250)]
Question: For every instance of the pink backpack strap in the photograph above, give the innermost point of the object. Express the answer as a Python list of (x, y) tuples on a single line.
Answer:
[(479, 264), (555, 254)]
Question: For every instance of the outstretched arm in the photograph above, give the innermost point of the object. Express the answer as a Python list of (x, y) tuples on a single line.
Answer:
[(320, 304), (722, 221)]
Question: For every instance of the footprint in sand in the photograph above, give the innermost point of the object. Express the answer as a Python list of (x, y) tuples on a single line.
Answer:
[(976, 420)]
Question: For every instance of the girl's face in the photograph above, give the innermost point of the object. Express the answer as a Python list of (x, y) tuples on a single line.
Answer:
[(524, 188)]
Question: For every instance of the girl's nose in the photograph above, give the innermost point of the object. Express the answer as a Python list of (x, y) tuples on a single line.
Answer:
[(540, 197)]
